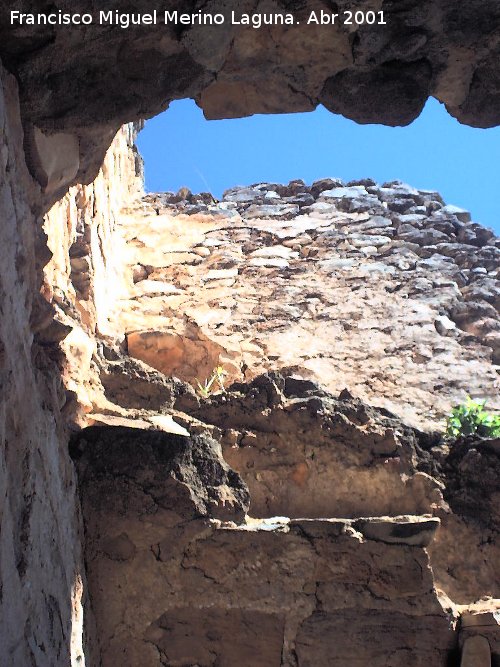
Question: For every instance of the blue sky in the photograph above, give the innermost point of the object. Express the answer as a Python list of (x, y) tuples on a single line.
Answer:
[(181, 148)]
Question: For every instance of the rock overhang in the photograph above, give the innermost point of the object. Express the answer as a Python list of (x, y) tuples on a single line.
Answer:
[(86, 82)]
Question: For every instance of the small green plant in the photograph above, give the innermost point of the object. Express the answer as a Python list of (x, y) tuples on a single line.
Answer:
[(209, 387), (470, 418)]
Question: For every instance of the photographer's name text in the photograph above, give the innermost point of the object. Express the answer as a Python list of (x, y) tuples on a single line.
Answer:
[(254, 20)]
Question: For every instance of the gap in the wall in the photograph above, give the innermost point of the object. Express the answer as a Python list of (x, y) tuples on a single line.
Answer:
[(181, 148)]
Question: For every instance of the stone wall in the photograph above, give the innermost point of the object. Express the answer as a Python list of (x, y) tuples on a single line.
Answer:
[(61, 335), (382, 289), (83, 278), (107, 269), (41, 568), (58, 283), (180, 576)]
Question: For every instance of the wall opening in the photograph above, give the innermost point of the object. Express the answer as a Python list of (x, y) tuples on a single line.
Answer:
[(181, 148)]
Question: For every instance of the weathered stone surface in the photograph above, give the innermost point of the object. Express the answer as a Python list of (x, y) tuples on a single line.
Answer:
[(473, 471), (355, 637), (350, 591), (183, 475), (476, 651), (314, 456), (55, 158), (331, 275), (480, 632), (363, 95), (191, 354), (42, 578), (413, 531), (460, 213), (132, 384), (260, 291), (244, 637), (470, 472), (305, 290), (283, 212), (263, 591)]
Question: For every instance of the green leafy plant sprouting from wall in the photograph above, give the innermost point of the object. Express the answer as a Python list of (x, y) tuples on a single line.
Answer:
[(213, 383), (470, 418)]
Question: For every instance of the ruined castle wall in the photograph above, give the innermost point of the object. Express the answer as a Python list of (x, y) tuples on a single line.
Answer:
[(40, 538), (80, 231), (59, 307), (83, 278)]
